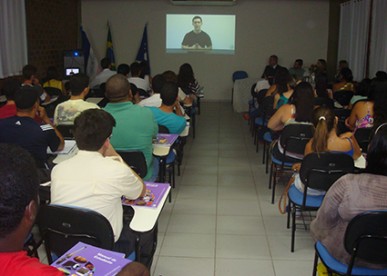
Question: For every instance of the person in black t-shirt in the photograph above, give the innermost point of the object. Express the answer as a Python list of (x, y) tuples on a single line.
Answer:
[(197, 39)]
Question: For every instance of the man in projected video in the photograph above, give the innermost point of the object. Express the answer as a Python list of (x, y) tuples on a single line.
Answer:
[(197, 39)]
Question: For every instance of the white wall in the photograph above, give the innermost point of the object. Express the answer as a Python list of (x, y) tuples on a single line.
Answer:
[(288, 28)]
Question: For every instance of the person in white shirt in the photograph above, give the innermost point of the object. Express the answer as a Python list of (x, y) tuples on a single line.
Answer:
[(154, 100), (140, 83), (66, 112), (103, 76), (96, 177)]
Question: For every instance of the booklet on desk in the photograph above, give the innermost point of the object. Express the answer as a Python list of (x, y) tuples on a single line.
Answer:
[(154, 194), (165, 139), (86, 260)]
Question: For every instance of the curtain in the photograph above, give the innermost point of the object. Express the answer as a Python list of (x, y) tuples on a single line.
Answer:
[(378, 48), (354, 24), (13, 37)]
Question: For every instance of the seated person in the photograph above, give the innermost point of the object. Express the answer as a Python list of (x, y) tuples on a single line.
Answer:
[(185, 99), (165, 115), (297, 111), (96, 177), (271, 69), (30, 78), (136, 126), (362, 92), (282, 88), (351, 195), (362, 115), (9, 89), (141, 83), (53, 79), (297, 72), (187, 81), (123, 69), (325, 139), (66, 112), (154, 100), (103, 76), (345, 83), (19, 202), (25, 132)]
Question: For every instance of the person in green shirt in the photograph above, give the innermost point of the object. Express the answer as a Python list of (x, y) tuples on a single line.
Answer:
[(135, 125)]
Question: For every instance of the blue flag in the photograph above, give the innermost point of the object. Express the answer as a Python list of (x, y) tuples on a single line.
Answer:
[(109, 49), (91, 62), (143, 53)]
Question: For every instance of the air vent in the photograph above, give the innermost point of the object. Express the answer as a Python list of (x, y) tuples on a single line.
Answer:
[(204, 2)]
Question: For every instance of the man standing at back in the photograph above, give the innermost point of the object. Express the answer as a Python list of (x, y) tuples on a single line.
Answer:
[(136, 126)]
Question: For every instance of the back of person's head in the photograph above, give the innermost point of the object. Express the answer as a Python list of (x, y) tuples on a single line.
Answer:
[(144, 70), (300, 62), (168, 93), (186, 75), (379, 95), (282, 78), (19, 186), (117, 88), (346, 74), (26, 97), (123, 69), (28, 71), (134, 269), (157, 83), (78, 83), (135, 69), (105, 63), (92, 127), (343, 63), (10, 87), (322, 64), (381, 76), (363, 88), (170, 76), (303, 99), (52, 73), (324, 121), (377, 152)]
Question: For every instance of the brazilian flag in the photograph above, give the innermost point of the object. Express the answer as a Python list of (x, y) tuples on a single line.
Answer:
[(109, 49)]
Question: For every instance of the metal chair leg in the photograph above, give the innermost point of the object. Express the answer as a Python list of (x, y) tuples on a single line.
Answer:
[(293, 227)]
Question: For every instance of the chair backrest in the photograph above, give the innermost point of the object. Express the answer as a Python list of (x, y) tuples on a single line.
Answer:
[(67, 131), (362, 136), (136, 160), (366, 238), (237, 75), (343, 97), (261, 96), (61, 227), (321, 170), (294, 138)]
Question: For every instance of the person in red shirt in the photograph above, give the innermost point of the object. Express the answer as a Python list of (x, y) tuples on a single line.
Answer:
[(9, 89), (19, 188)]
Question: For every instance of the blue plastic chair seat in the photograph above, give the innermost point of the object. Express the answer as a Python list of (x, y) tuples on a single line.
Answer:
[(279, 162), (267, 137), (296, 197), (341, 268), (259, 121)]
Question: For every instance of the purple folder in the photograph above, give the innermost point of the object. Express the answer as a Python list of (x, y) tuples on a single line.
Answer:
[(166, 139), (152, 198), (84, 259)]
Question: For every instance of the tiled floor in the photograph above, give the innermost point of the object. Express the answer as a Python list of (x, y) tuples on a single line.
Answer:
[(221, 221)]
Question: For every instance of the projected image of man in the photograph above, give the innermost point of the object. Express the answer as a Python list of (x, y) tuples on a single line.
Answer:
[(197, 39)]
